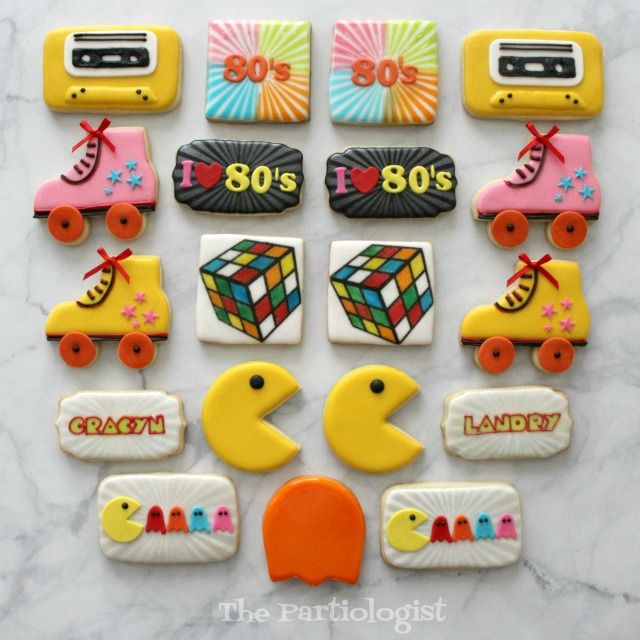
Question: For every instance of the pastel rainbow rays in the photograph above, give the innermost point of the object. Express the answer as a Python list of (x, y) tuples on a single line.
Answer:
[(270, 100)]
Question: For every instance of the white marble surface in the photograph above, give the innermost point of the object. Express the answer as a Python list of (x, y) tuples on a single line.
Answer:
[(578, 576)]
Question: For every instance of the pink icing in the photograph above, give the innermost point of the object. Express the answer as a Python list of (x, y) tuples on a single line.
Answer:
[(506, 527)]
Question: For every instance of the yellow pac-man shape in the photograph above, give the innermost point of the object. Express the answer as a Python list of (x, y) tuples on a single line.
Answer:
[(355, 419), (401, 532), (232, 414), (115, 519)]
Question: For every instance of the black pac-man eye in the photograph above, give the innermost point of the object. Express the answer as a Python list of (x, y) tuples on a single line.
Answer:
[(256, 382), (412, 516), (125, 505), (377, 386)]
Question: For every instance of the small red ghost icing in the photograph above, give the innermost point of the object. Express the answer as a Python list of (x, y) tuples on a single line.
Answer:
[(462, 529), (177, 520), (222, 519), (155, 520), (506, 527), (440, 530)]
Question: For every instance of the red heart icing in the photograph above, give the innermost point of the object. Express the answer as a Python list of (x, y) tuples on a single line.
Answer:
[(365, 180), (208, 175)]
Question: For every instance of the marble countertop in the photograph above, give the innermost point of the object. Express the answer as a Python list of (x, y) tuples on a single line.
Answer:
[(578, 576)]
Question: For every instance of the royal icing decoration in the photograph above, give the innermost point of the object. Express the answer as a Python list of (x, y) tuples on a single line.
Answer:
[(451, 525), (527, 73), (258, 71), (355, 419), (508, 423), (381, 292), (384, 72), (528, 314), (250, 290), (391, 182), (233, 411), (314, 530), (556, 183), (168, 517), (109, 311), (112, 69), (230, 176), (101, 182), (121, 425)]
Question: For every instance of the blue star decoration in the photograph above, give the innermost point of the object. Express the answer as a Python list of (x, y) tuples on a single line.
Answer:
[(580, 173), (587, 192), (558, 197), (134, 180), (115, 176), (565, 183), (108, 191), (132, 165)]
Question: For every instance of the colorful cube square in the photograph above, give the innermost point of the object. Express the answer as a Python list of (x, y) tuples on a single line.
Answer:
[(384, 72), (251, 290), (381, 293)]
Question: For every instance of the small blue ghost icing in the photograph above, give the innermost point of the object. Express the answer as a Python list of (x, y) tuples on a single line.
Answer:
[(484, 527), (198, 520)]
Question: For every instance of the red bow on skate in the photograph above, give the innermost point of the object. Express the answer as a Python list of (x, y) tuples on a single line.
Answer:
[(110, 261), (542, 139), (536, 265), (95, 133)]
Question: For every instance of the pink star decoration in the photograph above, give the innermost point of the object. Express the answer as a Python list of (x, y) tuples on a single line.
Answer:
[(566, 304), (548, 311), (150, 316), (128, 311), (136, 324), (141, 296), (548, 328), (567, 324)]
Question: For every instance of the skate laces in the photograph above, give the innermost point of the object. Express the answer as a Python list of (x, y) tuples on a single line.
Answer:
[(535, 265), (110, 261), (543, 139), (95, 133)]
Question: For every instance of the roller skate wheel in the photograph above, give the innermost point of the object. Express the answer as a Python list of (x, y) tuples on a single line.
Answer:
[(67, 225), (124, 221), (136, 350), (77, 350), (495, 355), (555, 355), (568, 230), (509, 228)]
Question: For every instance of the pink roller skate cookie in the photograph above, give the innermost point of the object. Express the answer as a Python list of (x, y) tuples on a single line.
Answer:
[(115, 176), (557, 183)]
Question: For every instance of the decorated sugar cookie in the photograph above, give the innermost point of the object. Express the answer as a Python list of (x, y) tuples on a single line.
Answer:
[(544, 308), (168, 517), (355, 419), (127, 305), (112, 69), (508, 423), (121, 425), (381, 292), (115, 177), (232, 416), (250, 290), (556, 183), (384, 72), (314, 529), (258, 71), (232, 176), (451, 525), (391, 182), (532, 73)]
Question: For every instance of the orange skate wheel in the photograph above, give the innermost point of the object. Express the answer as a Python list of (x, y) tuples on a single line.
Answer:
[(555, 355), (136, 350), (124, 221), (77, 350), (66, 224), (509, 228), (568, 230), (495, 355)]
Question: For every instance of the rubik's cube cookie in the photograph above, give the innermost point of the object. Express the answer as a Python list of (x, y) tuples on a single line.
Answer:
[(250, 289), (381, 293), (384, 72)]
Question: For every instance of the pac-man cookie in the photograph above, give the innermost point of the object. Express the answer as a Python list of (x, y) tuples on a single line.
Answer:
[(355, 419), (168, 518), (314, 529), (450, 525), (232, 416)]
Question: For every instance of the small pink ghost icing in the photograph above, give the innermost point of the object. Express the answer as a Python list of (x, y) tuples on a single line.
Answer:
[(506, 527), (222, 519)]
